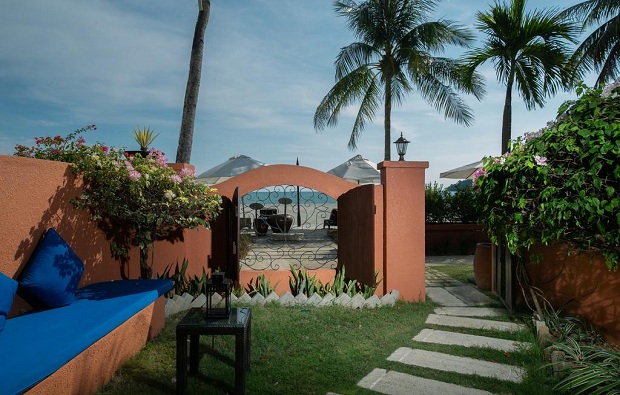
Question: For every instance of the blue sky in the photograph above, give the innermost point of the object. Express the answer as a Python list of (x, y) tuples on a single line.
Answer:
[(267, 64)]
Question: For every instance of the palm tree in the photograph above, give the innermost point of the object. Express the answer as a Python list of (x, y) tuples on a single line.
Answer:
[(600, 51), (394, 55), (186, 134), (529, 51)]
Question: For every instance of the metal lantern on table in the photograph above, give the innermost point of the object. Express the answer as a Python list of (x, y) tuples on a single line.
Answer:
[(217, 291)]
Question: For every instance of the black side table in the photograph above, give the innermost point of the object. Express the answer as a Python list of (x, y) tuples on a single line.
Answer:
[(194, 324)]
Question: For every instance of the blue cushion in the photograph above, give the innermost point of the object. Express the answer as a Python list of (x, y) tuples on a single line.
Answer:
[(38, 343), (52, 274), (8, 286)]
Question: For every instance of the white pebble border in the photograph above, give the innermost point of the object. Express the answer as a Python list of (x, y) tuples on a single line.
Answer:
[(178, 303)]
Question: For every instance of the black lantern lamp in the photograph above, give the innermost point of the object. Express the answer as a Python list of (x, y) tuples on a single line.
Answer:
[(401, 146), (218, 306)]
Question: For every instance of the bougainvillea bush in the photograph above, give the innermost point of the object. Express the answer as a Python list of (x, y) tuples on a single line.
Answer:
[(131, 194), (562, 183)]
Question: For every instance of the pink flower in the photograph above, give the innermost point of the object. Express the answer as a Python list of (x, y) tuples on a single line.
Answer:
[(501, 160), (176, 178), (105, 149), (134, 175), (187, 173), (158, 156), (479, 172), (540, 160)]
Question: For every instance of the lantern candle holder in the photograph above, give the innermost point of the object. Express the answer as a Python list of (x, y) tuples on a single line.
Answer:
[(218, 298)]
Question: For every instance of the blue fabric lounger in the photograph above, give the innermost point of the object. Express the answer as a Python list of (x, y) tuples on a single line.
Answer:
[(36, 344)]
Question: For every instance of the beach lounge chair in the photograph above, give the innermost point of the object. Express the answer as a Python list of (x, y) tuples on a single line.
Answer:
[(332, 221)]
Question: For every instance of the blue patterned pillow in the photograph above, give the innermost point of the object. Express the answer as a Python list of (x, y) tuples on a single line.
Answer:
[(8, 286), (52, 274)]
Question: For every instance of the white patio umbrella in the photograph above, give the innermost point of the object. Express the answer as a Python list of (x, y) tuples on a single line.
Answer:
[(358, 170), (463, 172), (232, 167)]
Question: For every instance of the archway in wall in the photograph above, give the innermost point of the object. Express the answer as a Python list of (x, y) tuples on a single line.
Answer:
[(287, 217)]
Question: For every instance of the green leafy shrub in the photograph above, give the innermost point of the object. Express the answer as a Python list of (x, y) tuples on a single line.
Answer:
[(182, 282), (134, 199), (435, 201), (261, 285), (58, 148), (562, 183), (444, 206), (301, 283)]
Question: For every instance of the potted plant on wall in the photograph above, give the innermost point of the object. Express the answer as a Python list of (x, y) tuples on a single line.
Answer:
[(144, 137)]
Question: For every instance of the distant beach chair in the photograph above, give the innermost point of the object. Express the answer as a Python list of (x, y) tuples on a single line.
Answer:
[(332, 221)]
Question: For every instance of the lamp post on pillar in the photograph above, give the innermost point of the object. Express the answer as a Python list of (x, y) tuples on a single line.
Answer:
[(401, 147)]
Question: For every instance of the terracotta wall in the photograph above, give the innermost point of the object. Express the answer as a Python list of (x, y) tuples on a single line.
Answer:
[(579, 284), (35, 195), (404, 232), (398, 248)]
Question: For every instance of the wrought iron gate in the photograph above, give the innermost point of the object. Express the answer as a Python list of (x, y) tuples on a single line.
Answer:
[(288, 225)]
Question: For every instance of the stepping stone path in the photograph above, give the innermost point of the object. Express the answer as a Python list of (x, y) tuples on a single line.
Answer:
[(462, 306)]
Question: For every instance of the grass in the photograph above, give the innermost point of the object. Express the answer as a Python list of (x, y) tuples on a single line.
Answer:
[(315, 351), (463, 273)]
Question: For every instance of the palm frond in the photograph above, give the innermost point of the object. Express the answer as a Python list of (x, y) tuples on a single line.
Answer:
[(352, 57), (443, 98), (347, 91), (366, 112)]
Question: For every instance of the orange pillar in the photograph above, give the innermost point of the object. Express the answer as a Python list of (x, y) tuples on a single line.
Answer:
[(403, 219)]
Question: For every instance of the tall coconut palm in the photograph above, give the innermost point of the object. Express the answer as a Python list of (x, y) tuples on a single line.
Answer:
[(600, 51), (530, 52), (395, 54), (186, 134)]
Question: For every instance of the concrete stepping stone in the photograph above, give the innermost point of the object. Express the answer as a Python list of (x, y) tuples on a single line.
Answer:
[(461, 339), (443, 297), (395, 383), (473, 323), (471, 311), (470, 295), (462, 365)]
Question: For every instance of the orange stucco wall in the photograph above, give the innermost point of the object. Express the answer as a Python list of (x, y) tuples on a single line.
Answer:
[(399, 238), (35, 195), (579, 284), (403, 190)]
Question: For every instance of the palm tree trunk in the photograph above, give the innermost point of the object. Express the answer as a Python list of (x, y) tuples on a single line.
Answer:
[(387, 122), (507, 118), (186, 134)]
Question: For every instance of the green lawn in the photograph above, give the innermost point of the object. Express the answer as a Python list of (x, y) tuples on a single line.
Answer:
[(463, 273), (313, 351)]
